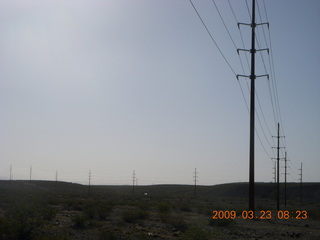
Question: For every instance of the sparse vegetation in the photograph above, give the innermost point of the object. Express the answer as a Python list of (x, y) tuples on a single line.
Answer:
[(79, 222), (64, 211), (221, 222), (134, 216), (196, 233)]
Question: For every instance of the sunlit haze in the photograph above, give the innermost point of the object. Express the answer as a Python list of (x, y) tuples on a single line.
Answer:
[(119, 86)]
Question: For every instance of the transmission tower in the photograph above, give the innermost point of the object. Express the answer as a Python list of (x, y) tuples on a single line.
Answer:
[(252, 77), (300, 183), (10, 172), (275, 181), (56, 176), (278, 167), (133, 181), (285, 178), (195, 182), (30, 173), (89, 181)]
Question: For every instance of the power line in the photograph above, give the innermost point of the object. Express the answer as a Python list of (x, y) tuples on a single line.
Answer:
[(274, 79), (213, 1), (225, 59), (248, 9)]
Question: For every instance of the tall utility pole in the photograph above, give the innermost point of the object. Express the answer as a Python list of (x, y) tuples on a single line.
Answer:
[(133, 181), (10, 172), (195, 182), (275, 181), (89, 181), (56, 176), (278, 167), (300, 183), (285, 179), (252, 103), (30, 173), (252, 111)]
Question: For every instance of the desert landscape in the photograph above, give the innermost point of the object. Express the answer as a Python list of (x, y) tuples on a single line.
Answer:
[(49, 210)]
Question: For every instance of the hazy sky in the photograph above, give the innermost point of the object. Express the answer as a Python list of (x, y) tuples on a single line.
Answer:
[(122, 85)]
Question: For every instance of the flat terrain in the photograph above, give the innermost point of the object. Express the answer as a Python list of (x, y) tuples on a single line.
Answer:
[(44, 210)]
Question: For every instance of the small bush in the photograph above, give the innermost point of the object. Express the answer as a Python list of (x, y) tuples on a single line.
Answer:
[(221, 222), (164, 207), (48, 213), (179, 225), (133, 216), (138, 235), (96, 210), (79, 222), (185, 208), (107, 234), (143, 206), (196, 233)]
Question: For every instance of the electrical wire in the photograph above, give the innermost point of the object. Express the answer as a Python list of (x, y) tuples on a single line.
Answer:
[(225, 26), (274, 84), (215, 43)]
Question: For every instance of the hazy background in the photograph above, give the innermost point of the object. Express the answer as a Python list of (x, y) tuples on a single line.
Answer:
[(116, 86)]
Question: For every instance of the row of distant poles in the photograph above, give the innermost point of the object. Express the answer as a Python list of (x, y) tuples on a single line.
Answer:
[(30, 174), (276, 173), (195, 178), (135, 181)]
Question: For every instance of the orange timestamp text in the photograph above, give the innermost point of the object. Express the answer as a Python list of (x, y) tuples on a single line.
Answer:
[(262, 214)]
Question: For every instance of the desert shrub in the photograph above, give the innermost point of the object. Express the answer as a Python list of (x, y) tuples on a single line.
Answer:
[(143, 206), (89, 210), (79, 222), (196, 233), (21, 220), (133, 216), (138, 235), (73, 204), (48, 213), (107, 234), (48, 232), (185, 208), (164, 207), (179, 224), (103, 212), (97, 210), (221, 222), (7, 230)]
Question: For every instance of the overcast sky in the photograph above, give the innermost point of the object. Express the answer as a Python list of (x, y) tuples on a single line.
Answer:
[(114, 86)]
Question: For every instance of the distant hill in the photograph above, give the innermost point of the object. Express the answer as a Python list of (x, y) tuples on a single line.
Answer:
[(311, 191)]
